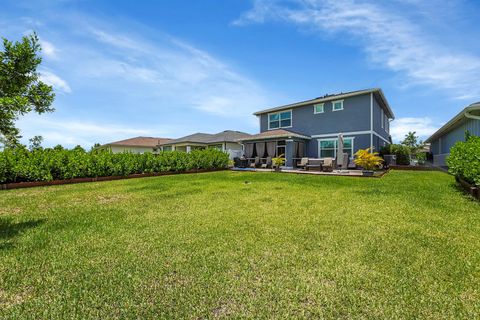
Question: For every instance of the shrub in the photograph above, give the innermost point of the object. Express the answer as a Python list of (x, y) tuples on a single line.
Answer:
[(20, 164), (464, 160), (401, 152), (367, 160)]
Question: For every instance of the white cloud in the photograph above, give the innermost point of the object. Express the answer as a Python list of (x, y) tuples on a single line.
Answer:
[(71, 132), (424, 127), (389, 38), (48, 49), (52, 79)]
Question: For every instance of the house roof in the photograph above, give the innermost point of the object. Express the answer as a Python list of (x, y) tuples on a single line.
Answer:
[(329, 97), (272, 134), (472, 112), (207, 138), (139, 142)]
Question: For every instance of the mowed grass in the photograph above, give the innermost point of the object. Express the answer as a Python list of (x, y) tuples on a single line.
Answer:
[(242, 245)]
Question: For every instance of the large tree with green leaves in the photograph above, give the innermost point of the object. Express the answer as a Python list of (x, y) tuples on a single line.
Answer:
[(21, 90)]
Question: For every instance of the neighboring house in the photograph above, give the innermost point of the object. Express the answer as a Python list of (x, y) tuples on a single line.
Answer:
[(136, 145), (454, 130), (226, 141), (311, 128)]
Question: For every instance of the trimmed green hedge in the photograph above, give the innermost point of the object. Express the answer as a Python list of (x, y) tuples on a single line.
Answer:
[(19, 164), (464, 160), (402, 152)]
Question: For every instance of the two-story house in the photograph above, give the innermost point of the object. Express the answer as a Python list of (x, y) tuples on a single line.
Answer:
[(311, 128)]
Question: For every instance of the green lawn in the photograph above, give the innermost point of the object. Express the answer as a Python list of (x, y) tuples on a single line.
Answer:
[(242, 245)]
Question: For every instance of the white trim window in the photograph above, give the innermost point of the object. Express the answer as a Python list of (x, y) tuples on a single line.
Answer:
[(318, 108), (282, 119), (337, 105), (327, 148)]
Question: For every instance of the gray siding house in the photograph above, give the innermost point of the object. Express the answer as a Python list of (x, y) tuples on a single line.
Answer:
[(311, 128), (453, 131), (226, 141)]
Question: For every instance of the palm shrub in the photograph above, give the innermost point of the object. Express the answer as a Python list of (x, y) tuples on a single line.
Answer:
[(367, 160), (464, 160)]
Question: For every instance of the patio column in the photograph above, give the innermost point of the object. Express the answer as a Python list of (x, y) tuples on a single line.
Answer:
[(189, 149), (289, 153)]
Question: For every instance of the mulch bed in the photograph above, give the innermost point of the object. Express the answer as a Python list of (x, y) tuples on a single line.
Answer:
[(472, 190), (19, 185)]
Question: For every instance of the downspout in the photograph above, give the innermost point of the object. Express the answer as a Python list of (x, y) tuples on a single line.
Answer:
[(371, 121)]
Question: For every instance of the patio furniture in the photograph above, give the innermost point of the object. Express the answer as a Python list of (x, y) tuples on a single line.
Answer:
[(352, 165), (314, 164), (268, 163), (328, 164), (255, 163), (303, 163)]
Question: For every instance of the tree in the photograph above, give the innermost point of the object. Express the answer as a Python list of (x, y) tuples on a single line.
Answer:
[(411, 141), (35, 143), (21, 90)]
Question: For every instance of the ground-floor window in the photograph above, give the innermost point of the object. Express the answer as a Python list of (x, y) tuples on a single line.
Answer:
[(328, 147), (167, 148)]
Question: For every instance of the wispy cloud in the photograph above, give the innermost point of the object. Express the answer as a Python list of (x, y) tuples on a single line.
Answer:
[(48, 49), (424, 127), (54, 80), (389, 38), (71, 132), (127, 74)]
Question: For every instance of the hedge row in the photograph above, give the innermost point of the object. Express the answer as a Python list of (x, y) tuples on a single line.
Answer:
[(402, 153), (20, 164), (464, 160)]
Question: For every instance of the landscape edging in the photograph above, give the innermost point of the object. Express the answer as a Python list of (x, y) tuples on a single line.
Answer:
[(31, 184), (474, 191)]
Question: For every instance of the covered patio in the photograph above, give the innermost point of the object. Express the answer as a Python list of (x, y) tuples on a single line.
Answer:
[(273, 144)]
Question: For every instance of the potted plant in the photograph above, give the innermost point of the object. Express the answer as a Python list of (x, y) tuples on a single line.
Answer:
[(368, 161), (278, 162)]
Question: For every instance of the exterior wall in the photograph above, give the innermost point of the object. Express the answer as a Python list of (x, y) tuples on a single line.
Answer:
[(377, 121), (119, 149), (233, 149), (441, 146), (355, 116)]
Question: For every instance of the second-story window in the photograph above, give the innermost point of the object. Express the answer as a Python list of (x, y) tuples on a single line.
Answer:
[(337, 105), (280, 119), (318, 108)]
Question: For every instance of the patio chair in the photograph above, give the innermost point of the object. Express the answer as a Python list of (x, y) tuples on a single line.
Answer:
[(314, 164), (255, 163), (268, 163), (303, 163), (328, 164), (237, 163)]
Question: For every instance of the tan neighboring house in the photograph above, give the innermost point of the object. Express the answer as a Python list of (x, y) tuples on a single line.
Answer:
[(227, 141), (136, 145)]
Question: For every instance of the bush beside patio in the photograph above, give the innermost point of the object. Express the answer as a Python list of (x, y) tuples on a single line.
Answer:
[(464, 160)]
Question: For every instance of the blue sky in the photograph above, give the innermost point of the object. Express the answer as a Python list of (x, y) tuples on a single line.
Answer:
[(171, 68)]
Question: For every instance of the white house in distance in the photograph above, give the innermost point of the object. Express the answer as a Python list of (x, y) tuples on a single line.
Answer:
[(135, 145), (227, 141)]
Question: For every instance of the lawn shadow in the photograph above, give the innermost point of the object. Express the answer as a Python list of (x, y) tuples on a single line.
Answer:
[(10, 230), (458, 188)]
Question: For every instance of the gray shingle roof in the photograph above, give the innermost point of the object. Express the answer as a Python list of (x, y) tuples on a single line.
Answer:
[(207, 138)]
